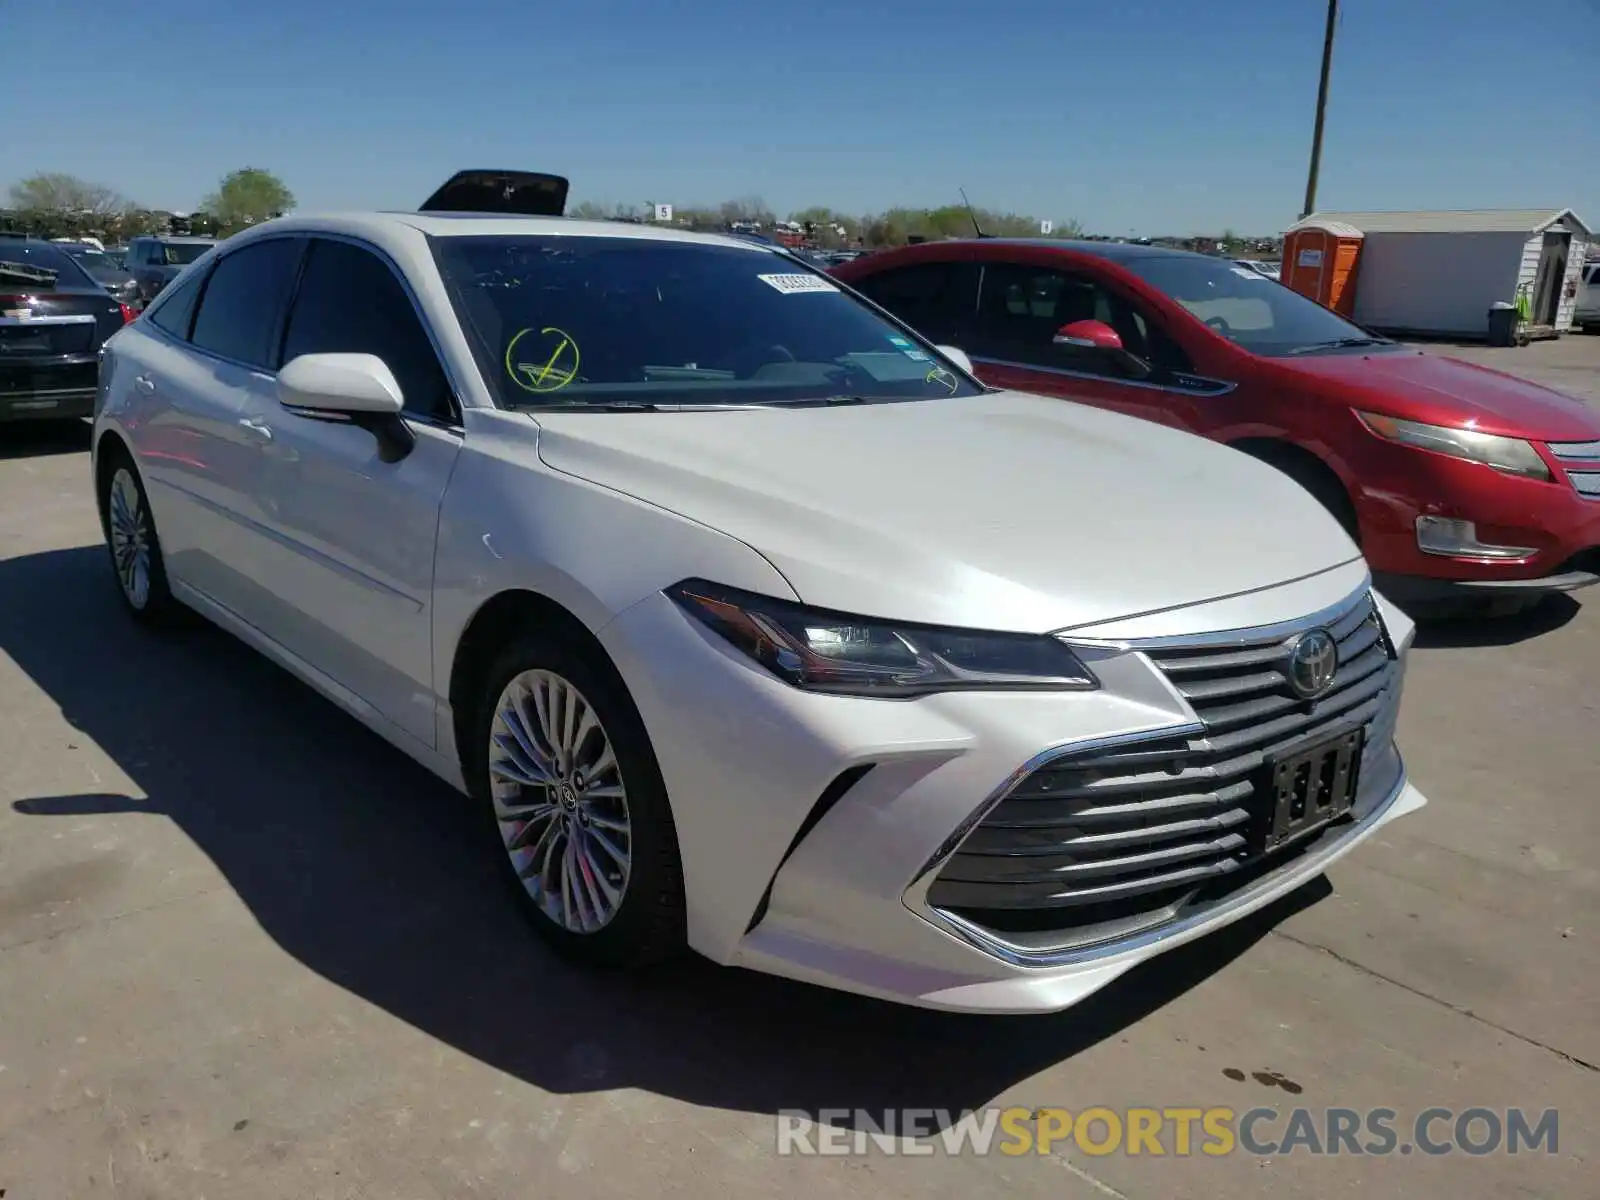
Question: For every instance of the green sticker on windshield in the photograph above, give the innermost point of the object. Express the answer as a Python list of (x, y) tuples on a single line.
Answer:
[(544, 362)]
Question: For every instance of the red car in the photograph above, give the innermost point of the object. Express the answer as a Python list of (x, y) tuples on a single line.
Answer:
[(1457, 481)]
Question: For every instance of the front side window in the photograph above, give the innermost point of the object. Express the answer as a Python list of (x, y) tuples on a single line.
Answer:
[(1258, 314), (349, 302), (595, 321), (243, 302), (1023, 307)]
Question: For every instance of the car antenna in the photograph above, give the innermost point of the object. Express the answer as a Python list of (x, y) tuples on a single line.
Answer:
[(976, 228)]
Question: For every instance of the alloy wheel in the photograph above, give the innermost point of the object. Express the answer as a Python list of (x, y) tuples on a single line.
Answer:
[(129, 527), (560, 801)]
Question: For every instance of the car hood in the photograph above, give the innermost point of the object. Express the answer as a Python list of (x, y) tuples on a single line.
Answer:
[(1002, 511), (1446, 391)]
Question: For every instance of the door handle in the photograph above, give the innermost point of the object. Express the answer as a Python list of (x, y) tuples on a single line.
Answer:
[(257, 426), (145, 384)]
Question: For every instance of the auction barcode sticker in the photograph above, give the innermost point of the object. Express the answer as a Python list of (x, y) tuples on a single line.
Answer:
[(795, 284)]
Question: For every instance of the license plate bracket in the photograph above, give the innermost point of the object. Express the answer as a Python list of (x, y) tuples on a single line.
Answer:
[(1308, 789)]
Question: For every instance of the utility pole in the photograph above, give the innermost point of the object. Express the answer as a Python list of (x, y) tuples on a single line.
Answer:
[(1322, 110)]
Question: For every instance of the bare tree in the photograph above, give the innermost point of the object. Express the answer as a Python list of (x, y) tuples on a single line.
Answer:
[(60, 193)]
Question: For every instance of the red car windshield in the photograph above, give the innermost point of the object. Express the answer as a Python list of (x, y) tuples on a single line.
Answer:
[(1244, 306)]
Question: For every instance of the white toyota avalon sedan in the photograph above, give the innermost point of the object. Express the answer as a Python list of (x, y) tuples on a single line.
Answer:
[(751, 622)]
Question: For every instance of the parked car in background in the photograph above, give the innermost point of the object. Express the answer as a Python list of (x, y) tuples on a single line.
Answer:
[(104, 269), (1270, 269), (1461, 484), (1010, 697), (156, 261), (118, 255), (53, 321), (1586, 315)]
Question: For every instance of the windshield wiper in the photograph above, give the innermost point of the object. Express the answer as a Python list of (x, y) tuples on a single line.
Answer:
[(826, 401), (616, 406), (1344, 343)]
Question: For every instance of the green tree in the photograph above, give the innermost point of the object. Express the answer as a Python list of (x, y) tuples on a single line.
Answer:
[(246, 197), (588, 210), (55, 192)]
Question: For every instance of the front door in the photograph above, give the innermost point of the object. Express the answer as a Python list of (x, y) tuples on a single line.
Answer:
[(1021, 307), (351, 537), (192, 382)]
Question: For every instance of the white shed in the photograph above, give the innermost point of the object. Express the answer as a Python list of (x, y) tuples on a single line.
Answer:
[(1438, 273)]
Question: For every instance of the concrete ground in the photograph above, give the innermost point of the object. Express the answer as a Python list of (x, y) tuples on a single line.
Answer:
[(246, 950)]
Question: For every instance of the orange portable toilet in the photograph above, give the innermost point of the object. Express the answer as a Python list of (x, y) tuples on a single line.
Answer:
[(1320, 260)]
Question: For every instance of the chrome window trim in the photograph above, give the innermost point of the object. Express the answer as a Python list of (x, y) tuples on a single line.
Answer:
[(1209, 387), (305, 236)]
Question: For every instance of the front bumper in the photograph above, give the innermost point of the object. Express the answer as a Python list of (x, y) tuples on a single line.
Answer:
[(1554, 519), (812, 827)]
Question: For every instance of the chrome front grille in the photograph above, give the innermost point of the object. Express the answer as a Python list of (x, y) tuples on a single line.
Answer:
[(1092, 846), (1581, 460)]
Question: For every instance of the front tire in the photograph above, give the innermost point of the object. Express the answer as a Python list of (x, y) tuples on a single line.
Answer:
[(135, 548), (565, 773)]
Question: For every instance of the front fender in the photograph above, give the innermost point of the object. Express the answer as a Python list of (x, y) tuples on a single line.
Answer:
[(509, 523)]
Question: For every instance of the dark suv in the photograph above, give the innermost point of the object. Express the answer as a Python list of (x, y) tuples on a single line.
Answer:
[(157, 261)]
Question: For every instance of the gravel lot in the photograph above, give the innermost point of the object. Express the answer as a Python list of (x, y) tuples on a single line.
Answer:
[(246, 950)]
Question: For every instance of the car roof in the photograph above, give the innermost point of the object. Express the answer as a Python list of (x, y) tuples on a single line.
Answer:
[(457, 224), (1115, 251)]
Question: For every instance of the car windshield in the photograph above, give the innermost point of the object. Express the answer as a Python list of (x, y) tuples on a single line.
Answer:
[(1244, 306), (39, 264), (181, 254), (627, 322), (94, 260)]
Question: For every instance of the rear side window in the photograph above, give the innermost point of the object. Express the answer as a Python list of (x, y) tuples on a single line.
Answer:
[(175, 312), (242, 306), (350, 302), (935, 299)]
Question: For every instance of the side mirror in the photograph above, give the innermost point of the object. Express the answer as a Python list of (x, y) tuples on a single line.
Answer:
[(957, 356), (355, 389), (1098, 336), (1088, 335)]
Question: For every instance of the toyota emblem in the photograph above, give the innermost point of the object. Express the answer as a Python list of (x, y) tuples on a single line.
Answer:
[(1313, 659)]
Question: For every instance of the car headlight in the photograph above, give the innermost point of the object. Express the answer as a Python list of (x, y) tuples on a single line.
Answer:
[(1511, 455), (823, 651)]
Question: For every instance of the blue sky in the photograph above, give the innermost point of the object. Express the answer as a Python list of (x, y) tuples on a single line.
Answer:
[(1129, 115)]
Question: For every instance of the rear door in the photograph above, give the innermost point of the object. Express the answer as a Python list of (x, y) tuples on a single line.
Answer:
[(350, 537), (210, 346)]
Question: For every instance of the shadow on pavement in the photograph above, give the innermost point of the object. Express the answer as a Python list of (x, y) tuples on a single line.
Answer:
[(34, 439), (1455, 632), (372, 873)]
